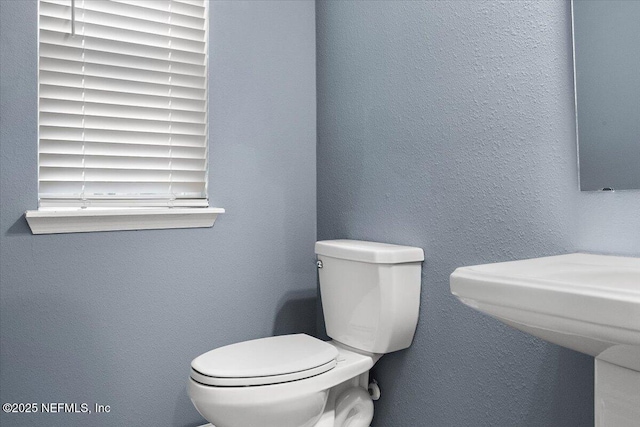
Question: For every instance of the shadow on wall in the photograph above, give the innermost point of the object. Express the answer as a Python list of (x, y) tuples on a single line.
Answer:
[(184, 409), (19, 227), (296, 313), (563, 367)]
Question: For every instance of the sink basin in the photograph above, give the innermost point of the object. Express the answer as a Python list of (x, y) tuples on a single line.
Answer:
[(589, 303)]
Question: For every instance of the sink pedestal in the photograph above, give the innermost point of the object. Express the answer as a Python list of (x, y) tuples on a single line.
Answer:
[(617, 396)]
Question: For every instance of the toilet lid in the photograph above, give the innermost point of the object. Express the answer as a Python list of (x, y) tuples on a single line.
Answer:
[(265, 361)]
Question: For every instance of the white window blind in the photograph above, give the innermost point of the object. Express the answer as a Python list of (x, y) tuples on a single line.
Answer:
[(122, 103)]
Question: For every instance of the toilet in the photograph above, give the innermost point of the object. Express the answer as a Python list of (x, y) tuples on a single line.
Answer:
[(371, 297)]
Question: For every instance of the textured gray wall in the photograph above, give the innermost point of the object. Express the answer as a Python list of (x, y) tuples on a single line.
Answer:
[(449, 125), (443, 125), (116, 318)]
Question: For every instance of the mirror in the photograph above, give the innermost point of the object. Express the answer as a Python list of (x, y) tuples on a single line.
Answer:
[(606, 45)]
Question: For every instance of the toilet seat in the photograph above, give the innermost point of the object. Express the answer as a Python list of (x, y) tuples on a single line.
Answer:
[(264, 361)]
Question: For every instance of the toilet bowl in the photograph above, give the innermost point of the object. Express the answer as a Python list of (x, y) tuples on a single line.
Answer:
[(370, 293), (278, 400)]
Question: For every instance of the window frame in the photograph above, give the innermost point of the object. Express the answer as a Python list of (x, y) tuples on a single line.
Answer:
[(50, 219)]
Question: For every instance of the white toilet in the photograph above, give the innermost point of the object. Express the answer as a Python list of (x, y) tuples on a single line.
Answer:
[(371, 296)]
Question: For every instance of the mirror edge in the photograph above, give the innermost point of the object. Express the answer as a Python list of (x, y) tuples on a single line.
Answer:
[(575, 93), (575, 108)]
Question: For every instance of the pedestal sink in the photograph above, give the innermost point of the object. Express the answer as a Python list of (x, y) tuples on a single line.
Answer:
[(589, 303)]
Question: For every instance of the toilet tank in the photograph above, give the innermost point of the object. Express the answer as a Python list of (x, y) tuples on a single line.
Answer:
[(370, 293)]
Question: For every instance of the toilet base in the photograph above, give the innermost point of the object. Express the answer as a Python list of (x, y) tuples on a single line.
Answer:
[(207, 425), (329, 417)]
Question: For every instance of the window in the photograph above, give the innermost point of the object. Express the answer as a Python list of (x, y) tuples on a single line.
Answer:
[(122, 109)]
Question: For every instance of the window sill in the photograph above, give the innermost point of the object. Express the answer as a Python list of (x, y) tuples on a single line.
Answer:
[(50, 221)]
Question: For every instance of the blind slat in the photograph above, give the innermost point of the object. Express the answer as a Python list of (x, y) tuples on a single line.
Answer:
[(87, 175), (120, 98), (120, 162), (78, 53), (120, 47), (135, 190), (53, 105), (174, 80), (85, 121), (88, 148), (120, 137), (86, 81)]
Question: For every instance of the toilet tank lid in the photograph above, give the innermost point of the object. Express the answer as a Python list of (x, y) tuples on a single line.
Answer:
[(372, 252)]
